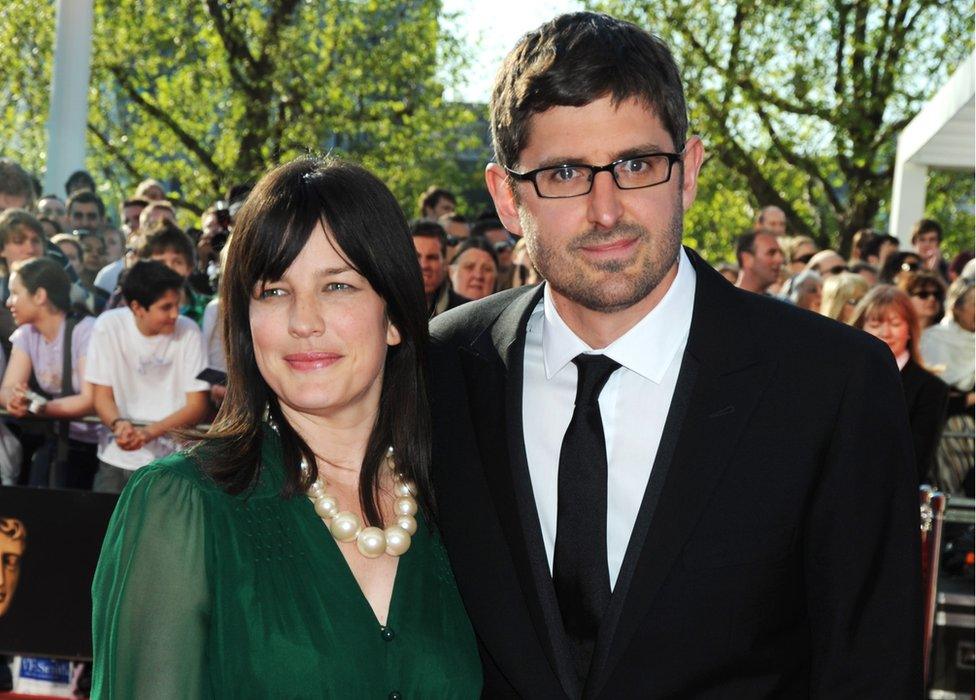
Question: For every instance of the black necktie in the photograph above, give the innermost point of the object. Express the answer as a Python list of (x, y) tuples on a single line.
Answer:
[(579, 570)]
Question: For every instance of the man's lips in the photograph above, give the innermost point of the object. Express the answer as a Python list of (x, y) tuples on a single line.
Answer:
[(306, 361), (623, 245)]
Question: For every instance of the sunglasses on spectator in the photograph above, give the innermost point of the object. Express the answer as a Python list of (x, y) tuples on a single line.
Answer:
[(803, 259), (927, 294), (837, 269)]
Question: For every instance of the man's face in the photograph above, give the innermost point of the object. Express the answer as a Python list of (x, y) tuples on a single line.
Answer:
[(53, 208), (22, 244), (927, 245), (12, 545), (84, 215), (441, 207), (774, 221), (160, 317), (12, 201), (609, 249), (766, 259), (130, 216), (155, 216), (431, 262), (175, 262)]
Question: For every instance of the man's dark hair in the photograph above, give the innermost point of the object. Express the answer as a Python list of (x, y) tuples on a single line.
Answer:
[(873, 246), (574, 60), (79, 180), (86, 197), (862, 242), (480, 227), (430, 229), (135, 202), (455, 218), (147, 281), (15, 181), (746, 243), (859, 266), (432, 195), (166, 236), (924, 226)]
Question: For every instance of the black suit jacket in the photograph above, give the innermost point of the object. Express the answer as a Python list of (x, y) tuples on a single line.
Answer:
[(776, 550), (926, 397)]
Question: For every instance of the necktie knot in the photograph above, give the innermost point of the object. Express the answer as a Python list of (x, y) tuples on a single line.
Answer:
[(593, 373)]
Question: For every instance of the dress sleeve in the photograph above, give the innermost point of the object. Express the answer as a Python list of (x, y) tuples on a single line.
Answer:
[(151, 597)]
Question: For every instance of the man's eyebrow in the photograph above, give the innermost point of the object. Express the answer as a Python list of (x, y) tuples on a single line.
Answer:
[(638, 150)]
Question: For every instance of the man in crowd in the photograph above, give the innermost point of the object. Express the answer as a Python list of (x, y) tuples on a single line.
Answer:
[(51, 207), (772, 220), (435, 202), (457, 229), (85, 210), (131, 209), (430, 240), (16, 188), (641, 480), (760, 260), (142, 361), (167, 244), (927, 241), (151, 190)]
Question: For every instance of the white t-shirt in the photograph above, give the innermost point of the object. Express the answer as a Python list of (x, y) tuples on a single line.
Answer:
[(149, 375), (213, 336)]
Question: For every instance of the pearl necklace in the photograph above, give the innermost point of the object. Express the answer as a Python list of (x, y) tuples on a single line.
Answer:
[(346, 526)]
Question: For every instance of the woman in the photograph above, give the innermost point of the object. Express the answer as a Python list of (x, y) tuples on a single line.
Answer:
[(799, 250), (218, 576), (114, 244), (40, 301), (927, 292), (887, 313), (897, 264), (841, 293), (71, 247), (93, 257), (805, 290), (474, 269), (951, 345)]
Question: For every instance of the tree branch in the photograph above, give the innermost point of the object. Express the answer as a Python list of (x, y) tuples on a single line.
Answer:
[(237, 49), (115, 152)]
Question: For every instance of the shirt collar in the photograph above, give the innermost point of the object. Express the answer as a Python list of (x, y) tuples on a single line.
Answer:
[(902, 359), (647, 349)]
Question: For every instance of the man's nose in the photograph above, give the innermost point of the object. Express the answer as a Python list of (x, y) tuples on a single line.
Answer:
[(604, 208)]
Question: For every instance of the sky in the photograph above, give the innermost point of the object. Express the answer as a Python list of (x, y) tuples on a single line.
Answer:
[(492, 27)]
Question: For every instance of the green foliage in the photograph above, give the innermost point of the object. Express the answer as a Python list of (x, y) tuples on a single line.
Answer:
[(950, 197), (204, 93)]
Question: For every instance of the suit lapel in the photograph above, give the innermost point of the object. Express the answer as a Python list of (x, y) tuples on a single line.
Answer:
[(721, 378), (493, 368)]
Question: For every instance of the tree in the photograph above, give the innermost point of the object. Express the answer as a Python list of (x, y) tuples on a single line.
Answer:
[(206, 93), (801, 102)]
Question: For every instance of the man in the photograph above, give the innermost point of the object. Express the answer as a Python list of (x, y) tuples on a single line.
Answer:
[(772, 220), (927, 241), (152, 190), (167, 244), (85, 210), (51, 207), (430, 241), (16, 188), (457, 229), (131, 209), (730, 508), (435, 202), (760, 260)]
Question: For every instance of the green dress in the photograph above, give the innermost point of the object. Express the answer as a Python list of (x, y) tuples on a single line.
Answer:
[(200, 594)]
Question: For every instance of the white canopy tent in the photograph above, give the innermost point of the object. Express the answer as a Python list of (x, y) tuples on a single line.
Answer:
[(942, 135)]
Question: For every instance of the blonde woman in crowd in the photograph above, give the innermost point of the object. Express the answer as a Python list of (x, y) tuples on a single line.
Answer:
[(841, 293)]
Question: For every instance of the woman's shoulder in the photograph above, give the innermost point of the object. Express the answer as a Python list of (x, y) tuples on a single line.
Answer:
[(182, 469)]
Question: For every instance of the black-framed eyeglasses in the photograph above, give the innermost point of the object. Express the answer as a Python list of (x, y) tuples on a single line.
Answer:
[(576, 179)]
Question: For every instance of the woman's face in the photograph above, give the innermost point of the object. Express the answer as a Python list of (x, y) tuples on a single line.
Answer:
[(891, 327), (811, 294), (847, 310), (114, 245), (965, 311), (926, 301), (320, 335), (23, 305), (801, 257), (94, 249), (473, 274), (22, 244), (71, 252)]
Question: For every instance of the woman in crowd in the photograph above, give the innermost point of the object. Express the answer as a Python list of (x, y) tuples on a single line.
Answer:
[(243, 568), (71, 247), (897, 264), (474, 269), (887, 313), (799, 250), (951, 346), (114, 244), (841, 294), (40, 300), (805, 290), (927, 292), (93, 258)]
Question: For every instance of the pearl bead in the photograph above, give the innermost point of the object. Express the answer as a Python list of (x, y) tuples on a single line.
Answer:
[(316, 491), (405, 506), (371, 542), (345, 526), (397, 540), (405, 488), (326, 506), (407, 523)]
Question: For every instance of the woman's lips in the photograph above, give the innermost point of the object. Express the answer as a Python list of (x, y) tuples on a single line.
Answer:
[(307, 361)]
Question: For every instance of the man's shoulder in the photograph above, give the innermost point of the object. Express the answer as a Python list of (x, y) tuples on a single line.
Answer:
[(461, 325), (186, 329), (112, 319)]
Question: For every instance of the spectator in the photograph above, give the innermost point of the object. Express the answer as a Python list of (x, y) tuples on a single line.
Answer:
[(155, 212), (525, 273), (827, 263), (167, 244), (887, 313), (897, 264), (430, 242), (862, 244), (457, 229), (21, 237), (151, 190), (79, 181), (958, 263), (40, 300), (727, 270), (866, 270), (927, 292), (799, 250), (16, 188), (760, 260), (771, 220), (474, 269), (70, 246), (841, 294), (927, 241), (435, 202), (114, 243), (85, 210), (143, 361), (131, 210), (879, 248), (51, 207), (50, 226), (805, 291), (93, 256), (951, 346)]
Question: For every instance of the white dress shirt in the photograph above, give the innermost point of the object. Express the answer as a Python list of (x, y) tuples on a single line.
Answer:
[(634, 405)]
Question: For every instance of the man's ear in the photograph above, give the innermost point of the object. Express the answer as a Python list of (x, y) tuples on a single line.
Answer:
[(506, 206), (694, 156)]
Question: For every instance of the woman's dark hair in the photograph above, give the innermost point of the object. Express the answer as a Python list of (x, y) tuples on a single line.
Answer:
[(476, 244), (370, 232), (47, 274), (925, 281), (893, 265)]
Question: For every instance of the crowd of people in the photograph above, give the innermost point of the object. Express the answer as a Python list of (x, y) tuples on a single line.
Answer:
[(134, 307)]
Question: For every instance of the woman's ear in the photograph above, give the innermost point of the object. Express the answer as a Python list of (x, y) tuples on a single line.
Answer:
[(40, 296), (392, 334)]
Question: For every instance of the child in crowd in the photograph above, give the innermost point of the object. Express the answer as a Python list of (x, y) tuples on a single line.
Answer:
[(143, 361)]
